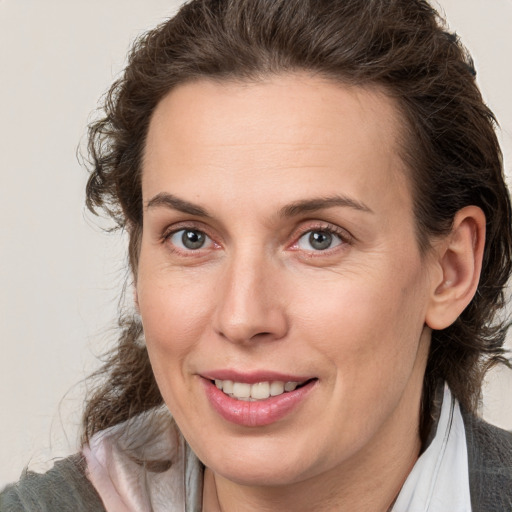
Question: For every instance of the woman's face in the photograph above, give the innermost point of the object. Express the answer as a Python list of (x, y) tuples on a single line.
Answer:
[(279, 250)]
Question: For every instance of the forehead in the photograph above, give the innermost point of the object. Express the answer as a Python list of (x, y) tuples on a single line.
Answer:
[(293, 130)]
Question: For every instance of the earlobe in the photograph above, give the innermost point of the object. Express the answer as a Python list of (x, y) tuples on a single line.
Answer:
[(459, 257)]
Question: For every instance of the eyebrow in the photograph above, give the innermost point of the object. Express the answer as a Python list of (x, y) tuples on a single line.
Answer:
[(321, 203), (296, 208), (170, 201)]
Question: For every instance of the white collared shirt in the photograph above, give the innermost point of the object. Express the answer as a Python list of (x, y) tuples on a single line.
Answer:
[(439, 481)]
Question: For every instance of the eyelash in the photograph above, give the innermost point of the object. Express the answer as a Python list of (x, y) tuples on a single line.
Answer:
[(344, 239), (168, 234)]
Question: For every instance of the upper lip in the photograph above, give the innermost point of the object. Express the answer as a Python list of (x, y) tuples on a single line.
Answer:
[(253, 376)]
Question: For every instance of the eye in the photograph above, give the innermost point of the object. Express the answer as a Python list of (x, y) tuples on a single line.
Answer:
[(319, 240), (189, 239)]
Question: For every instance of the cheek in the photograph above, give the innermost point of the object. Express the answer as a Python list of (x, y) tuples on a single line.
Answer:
[(370, 337), (174, 320), (369, 326), (174, 316), (174, 310)]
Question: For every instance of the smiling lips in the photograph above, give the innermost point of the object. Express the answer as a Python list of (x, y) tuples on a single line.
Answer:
[(258, 403)]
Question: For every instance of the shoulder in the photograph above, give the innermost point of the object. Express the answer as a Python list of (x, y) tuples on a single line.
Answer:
[(65, 488), (490, 465)]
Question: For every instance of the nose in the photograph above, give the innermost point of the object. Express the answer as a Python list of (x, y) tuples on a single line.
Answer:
[(251, 304)]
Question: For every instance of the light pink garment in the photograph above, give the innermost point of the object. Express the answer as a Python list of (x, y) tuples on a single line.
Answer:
[(143, 466)]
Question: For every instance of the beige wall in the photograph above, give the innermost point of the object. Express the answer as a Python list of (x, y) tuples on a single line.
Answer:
[(59, 275)]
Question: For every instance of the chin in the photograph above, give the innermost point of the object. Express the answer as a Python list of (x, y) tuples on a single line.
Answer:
[(269, 475), (263, 466)]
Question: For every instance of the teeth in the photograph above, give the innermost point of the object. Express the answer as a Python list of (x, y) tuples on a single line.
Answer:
[(260, 390), (227, 386), (290, 386), (241, 390), (276, 388), (257, 391)]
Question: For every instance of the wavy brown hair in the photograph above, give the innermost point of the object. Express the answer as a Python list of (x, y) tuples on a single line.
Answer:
[(450, 148)]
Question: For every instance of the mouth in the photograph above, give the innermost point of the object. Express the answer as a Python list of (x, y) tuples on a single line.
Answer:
[(256, 398), (257, 391), (257, 403)]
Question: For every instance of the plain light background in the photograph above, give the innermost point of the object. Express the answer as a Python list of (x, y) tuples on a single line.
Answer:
[(60, 276)]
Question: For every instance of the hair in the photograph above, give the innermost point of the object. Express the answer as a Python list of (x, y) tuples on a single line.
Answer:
[(450, 149)]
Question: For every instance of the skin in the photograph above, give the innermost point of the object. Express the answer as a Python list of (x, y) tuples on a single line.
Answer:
[(258, 296)]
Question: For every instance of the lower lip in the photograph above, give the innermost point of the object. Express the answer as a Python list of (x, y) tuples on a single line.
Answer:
[(259, 413)]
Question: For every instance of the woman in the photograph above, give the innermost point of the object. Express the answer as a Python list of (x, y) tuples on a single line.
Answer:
[(320, 237)]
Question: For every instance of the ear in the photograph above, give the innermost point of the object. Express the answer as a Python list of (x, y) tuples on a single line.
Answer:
[(459, 257)]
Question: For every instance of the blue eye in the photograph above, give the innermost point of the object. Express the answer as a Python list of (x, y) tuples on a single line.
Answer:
[(318, 240), (190, 239)]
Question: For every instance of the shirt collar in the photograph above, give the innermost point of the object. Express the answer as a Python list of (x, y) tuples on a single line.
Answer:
[(440, 478)]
